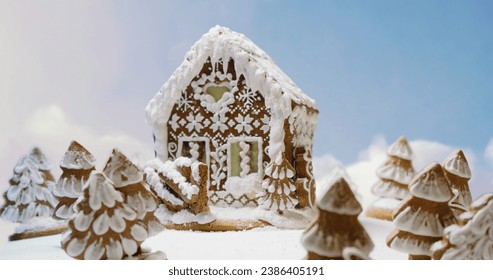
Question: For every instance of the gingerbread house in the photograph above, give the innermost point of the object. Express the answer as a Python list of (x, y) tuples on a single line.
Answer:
[(231, 107)]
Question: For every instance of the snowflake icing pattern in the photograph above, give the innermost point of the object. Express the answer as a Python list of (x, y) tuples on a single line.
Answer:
[(244, 123), (184, 103), (219, 122), (247, 97), (195, 122)]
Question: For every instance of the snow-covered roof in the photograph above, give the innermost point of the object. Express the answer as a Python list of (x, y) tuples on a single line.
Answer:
[(222, 44), (456, 163)]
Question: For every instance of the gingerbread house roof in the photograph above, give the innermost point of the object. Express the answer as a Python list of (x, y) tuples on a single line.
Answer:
[(260, 72)]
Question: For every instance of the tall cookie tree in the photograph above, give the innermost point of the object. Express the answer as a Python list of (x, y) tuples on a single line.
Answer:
[(278, 189), (458, 174), (474, 239), (77, 164), (104, 226), (422, 217), (128, 179), (396, 173), (336, 232), (29, 194)]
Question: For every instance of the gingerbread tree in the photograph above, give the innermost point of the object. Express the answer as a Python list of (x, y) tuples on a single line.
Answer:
[(278, 188), (396, 173), (105, 227), (472, 240), (394, 177), (458, 174), (336, 232), (422, 217), (77, 164), (29, 194), (128, 179)]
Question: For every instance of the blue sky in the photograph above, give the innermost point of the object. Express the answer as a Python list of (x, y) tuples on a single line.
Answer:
[(86, 69)]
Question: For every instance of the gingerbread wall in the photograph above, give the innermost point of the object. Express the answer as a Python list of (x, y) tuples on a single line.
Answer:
[(216, 131)]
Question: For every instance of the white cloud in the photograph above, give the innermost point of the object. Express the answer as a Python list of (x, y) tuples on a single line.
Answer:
[(49, 125), (488, 153)]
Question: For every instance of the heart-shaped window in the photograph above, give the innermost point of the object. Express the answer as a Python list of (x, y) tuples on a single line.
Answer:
[(217, 92)]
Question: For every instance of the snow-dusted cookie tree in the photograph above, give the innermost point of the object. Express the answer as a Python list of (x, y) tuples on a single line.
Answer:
[(128, 179), (77, 164), (278, 188), (181, 186), (474, 239), (394, 177), (28, 199), (336, 232), (104, 227), (423, 215), (458, 174), (29, 194)]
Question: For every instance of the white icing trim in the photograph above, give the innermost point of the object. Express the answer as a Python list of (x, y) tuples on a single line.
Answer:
[(206, 100)]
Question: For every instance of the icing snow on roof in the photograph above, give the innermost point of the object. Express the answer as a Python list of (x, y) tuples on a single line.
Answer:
[(222, 44), (457, 164)]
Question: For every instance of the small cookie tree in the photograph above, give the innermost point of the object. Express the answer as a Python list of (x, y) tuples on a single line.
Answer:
[(458, 174), (394, 177), (29, 194), (104, 226), (278, 188), (77, 164), (336, 232), (422, 217), (474, 239), (129, 180)]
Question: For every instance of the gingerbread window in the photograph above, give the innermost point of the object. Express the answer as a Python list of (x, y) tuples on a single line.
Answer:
[(244, 156), (195, 148)]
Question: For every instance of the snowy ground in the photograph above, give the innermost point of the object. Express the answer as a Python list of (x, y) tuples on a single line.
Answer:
[(259, 244)]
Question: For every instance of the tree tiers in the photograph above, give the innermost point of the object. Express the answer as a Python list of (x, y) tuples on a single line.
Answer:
[(104, 227), (336, 229)]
